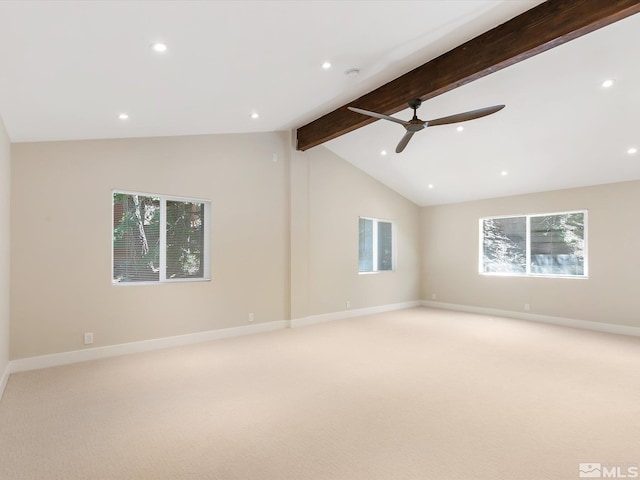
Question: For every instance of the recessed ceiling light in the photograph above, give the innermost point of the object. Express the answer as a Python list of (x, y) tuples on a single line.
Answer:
[(352, 72), (632, 150), (608, 83), (430, 185), (326, 65), (460, 128), (254, 115), (159, 47), (504, 173), (383, 153), (123, 116)]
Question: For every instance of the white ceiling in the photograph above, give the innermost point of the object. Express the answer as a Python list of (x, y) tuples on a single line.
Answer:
[(67, 69), (559, 129)]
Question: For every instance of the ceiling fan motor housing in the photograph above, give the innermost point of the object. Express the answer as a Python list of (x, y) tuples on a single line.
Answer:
[(415, 104)]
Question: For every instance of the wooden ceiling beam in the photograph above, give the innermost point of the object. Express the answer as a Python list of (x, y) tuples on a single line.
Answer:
[(537, 30)]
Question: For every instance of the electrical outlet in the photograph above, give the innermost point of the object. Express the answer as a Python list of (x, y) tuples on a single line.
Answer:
[(527, 307), (88, 338), (347, 304), (251, 317), (433, 296)]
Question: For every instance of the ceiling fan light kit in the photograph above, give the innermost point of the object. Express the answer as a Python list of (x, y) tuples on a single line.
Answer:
[(415, 124)]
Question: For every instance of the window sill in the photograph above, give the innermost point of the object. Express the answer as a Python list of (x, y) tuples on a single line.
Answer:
[(530, 275), (181, 280)]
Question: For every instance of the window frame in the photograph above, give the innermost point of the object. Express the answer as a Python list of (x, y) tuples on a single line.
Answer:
[(528, 272), (206, 273), (394, 251)]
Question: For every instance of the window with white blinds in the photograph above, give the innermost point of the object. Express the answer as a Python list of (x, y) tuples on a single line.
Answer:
[(157, 238)]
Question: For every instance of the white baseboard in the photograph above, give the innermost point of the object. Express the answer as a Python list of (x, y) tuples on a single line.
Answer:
[(56, 359), (4, 378), (565, 322), (329, 317), (65, 358)]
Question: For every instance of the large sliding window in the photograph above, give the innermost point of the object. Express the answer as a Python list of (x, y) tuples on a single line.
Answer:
[(157, 238), (375, 245), (539, 245)]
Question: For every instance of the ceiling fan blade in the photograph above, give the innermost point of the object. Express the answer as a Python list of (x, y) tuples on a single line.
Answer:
[(378, 115), (404, 141), (462, 117)]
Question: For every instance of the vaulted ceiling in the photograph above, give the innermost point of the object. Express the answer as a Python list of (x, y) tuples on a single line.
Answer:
[(69, 69)]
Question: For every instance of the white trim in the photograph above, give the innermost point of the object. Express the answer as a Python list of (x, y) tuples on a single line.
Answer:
[(162, 258), (342, 315), (65, 358), (168, 196), (4, 379), (533, 317)]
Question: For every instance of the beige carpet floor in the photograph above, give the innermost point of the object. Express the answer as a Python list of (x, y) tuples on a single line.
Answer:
[(414, 394)]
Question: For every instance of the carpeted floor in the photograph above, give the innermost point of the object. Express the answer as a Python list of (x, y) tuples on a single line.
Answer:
[(416, 394)]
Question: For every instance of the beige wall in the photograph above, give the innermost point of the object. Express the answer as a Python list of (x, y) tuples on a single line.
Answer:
[(330, 195), (284, 242), (5, 251), (61, 238), (609, 295), (284, 238)]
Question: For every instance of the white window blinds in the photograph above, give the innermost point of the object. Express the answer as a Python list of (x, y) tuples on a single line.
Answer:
[(158, 238)]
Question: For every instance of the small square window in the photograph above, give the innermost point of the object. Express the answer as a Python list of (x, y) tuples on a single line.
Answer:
[(159, 239)]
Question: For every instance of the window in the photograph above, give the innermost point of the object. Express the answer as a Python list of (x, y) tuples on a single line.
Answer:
[(541, 245), (145, 252), (375, 245)]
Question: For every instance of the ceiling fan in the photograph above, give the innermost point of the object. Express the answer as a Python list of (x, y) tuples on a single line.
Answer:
[(415, 124)]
